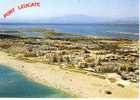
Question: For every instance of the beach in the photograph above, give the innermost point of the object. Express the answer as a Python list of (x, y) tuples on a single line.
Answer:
[(74, 83), (89, 49)]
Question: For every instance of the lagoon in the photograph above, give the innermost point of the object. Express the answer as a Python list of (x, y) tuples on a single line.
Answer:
[(114, 31)]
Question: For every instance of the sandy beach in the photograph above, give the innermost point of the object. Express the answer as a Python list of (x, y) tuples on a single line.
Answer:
[(74, 83)]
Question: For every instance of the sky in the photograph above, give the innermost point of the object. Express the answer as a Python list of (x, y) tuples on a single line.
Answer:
[(55, 8)]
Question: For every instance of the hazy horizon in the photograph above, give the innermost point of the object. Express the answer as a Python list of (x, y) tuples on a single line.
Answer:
[(73, 10)]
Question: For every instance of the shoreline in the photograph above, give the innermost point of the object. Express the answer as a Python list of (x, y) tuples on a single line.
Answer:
[(70, 82)]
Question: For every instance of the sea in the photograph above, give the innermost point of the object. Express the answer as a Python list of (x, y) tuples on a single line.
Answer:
[(115, 31), (15, 85)]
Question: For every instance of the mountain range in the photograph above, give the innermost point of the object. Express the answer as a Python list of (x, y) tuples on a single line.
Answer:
[(74, 19), (79, 19)]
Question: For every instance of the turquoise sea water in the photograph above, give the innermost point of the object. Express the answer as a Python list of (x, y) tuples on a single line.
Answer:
[(13, 84)]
